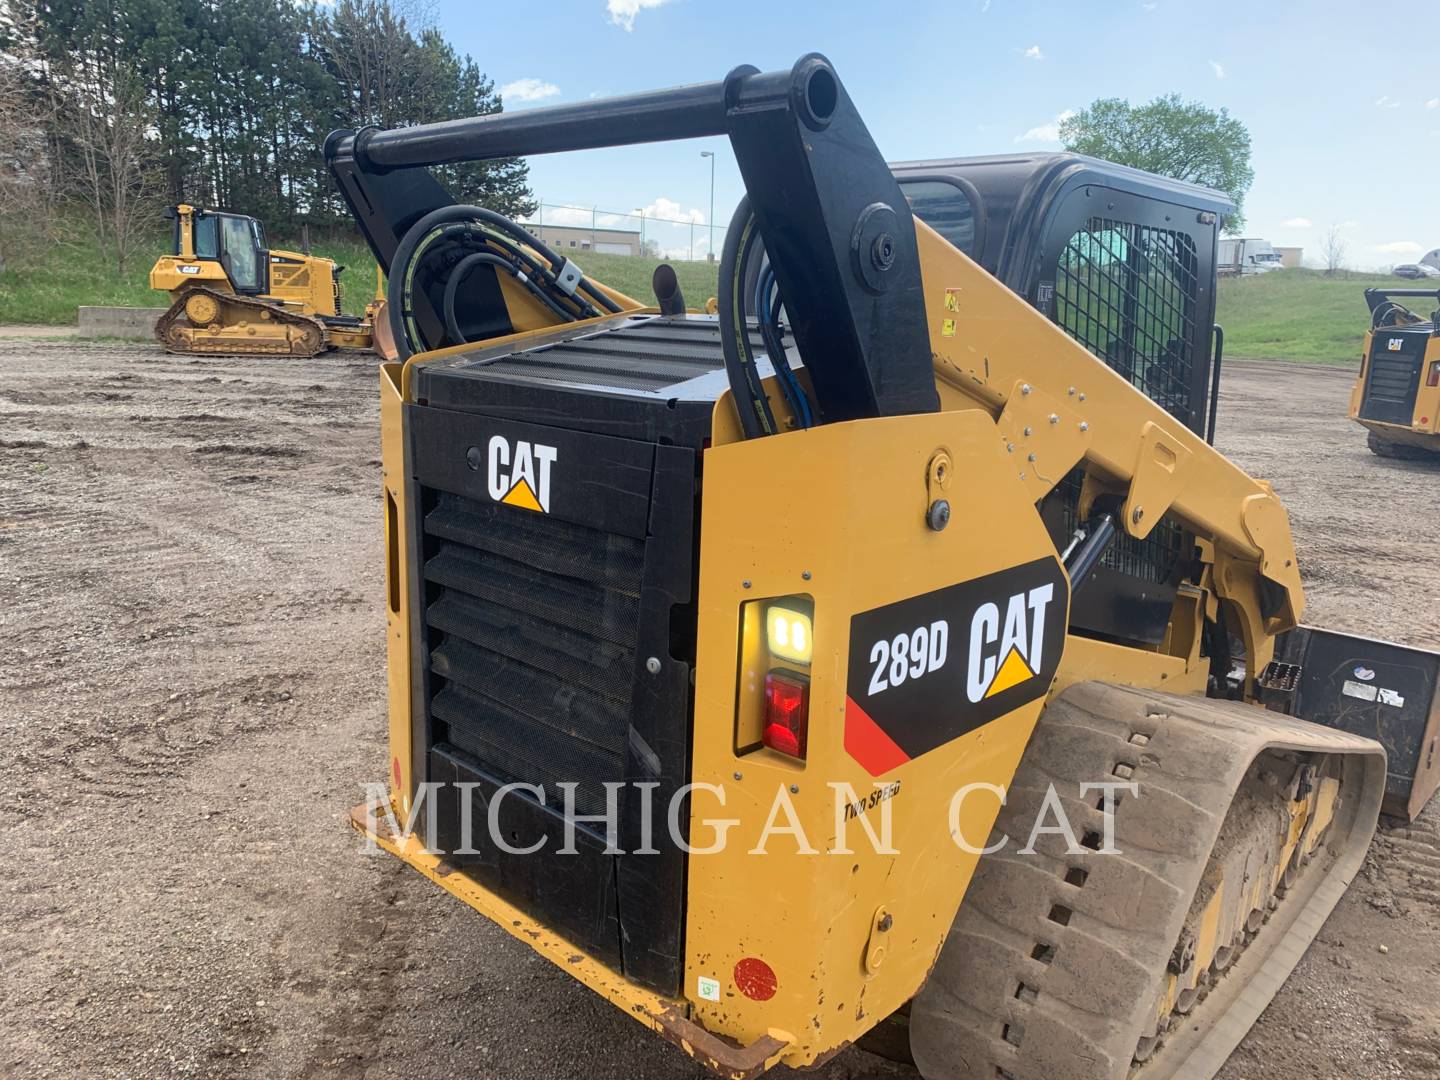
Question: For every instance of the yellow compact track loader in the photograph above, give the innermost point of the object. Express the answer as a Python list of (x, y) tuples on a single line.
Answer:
[(1397, 395), (888, 655), (234, 296)]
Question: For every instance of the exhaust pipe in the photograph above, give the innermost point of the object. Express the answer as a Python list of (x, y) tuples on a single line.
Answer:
[(667, 290)]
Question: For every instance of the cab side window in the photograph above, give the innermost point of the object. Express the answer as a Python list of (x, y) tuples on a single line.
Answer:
[(207, 237), (242, 257), (946, 208)]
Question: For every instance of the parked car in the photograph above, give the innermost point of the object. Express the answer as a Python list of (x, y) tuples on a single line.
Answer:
[(1416, 270)]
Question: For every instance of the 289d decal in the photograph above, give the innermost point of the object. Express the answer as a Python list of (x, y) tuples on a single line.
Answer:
[(928, 669)]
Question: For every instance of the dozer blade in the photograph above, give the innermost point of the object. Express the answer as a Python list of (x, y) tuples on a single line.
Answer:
[(382, 334), (1153, 959), (233, 325)]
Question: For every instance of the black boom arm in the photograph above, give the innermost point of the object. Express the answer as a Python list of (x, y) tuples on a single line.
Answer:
[(836, 227)]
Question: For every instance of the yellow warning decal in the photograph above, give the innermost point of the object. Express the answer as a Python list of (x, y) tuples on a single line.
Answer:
[(952, 299), (1012, 672), (523, 495), (947, 328)]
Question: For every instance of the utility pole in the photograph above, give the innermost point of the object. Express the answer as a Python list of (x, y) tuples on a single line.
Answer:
[(592, 228), (710, 255), (641, 212)]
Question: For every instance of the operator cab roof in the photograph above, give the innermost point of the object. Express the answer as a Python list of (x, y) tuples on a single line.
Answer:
[(1012, 195)]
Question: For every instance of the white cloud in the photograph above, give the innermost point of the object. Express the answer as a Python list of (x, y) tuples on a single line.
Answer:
[(1034, 53), (1149, 7), (528, 90), (1296, 223), (664, 209), (1400, 247), (1385, 101), (623, 12), (1433, 103), (1218, 68), (984, 7), (1046, 132)]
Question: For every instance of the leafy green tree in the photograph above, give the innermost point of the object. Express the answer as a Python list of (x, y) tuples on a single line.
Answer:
[(1181, 139), (391, 74), (232, 99)]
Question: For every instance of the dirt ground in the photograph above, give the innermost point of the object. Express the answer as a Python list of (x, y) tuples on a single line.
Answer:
[(192, 694)]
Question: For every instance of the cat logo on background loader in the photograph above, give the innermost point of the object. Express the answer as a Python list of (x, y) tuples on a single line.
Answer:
[(520, 475)]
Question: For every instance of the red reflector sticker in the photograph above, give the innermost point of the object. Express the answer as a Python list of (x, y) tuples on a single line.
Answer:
[(395, 769), (755, 978)]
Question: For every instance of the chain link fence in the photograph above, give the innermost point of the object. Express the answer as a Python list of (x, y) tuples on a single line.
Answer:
[(661, 230)]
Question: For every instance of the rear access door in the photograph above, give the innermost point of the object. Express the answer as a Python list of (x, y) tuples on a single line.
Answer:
[(1392, 377)]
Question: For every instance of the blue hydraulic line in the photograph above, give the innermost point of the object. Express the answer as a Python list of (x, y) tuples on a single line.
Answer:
[(768, 315)]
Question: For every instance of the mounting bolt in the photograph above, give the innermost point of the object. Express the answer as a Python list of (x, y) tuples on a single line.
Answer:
[(794, 789), (805, 574), (1137, 514), (653, 665), (1025, 388), (1082, 397), (886, 922), (1084, 425), (938, 516), (1029, 432), (1054, 418), (1030, 457), (1009, 447), (738, 775), (1072, 391), (746, 583), (475, 458)]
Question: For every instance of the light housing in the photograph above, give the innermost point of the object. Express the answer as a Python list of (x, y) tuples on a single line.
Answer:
[(787, 712), (1433, 379), (788, 633)]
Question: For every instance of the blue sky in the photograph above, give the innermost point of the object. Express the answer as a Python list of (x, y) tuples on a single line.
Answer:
[(1344, 119)]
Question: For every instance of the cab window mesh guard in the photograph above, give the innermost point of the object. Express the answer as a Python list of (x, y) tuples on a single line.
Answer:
[(1127, 292)]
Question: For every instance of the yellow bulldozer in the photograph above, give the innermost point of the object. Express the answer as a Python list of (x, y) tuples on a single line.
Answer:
[(1396, 397), (232, 295), (886, 656)]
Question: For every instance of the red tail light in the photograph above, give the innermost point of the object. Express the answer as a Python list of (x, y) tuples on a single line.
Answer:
[(1433, 379), (787, 712)]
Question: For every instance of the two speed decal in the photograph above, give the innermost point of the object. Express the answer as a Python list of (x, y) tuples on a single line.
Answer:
[(928, 669)]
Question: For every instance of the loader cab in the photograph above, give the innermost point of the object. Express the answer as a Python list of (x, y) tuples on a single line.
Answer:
[(236, 241), (1125, 263)]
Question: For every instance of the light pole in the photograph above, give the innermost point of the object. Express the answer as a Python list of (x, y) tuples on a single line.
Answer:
[(710, 255), (641, 212)]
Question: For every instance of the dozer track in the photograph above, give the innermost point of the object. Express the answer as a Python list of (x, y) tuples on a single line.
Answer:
[(231, 325), (1151, 963)]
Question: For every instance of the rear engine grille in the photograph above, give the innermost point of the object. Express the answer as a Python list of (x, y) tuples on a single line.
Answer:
[(1392, 377), (532, 623), (649, 356)]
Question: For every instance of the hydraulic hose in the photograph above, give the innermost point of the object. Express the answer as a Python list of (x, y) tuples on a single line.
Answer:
[(464, 266), (421, 239), (756, 419)]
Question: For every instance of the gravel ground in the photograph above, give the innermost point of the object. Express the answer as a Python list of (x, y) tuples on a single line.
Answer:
[(193, 693)]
